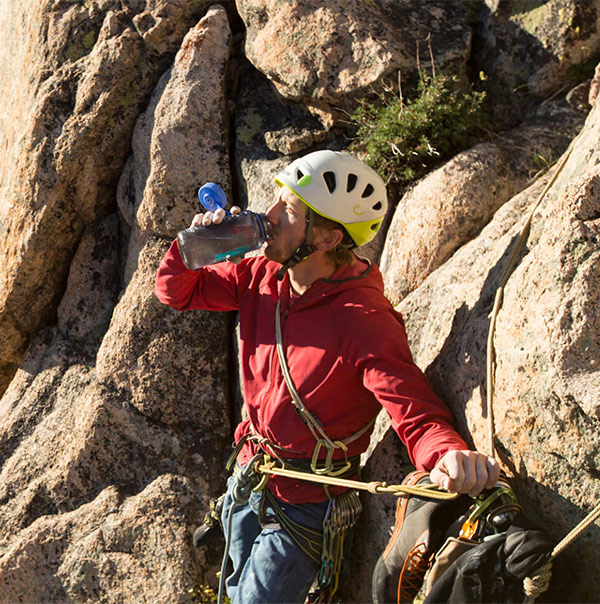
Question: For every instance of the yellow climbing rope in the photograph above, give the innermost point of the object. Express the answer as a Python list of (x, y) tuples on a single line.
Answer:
[(538, 583), (508, 270), (431, 491)]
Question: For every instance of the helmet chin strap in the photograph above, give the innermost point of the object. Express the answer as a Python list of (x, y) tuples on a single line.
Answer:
[(302, 252)]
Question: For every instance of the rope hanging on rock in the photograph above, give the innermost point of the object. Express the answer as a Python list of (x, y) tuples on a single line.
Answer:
[(538, 583), (508, 270)]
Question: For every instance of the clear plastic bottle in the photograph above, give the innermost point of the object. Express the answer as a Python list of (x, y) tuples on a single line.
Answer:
[(236, 235)]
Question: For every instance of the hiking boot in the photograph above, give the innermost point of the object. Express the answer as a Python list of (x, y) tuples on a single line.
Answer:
[(419, 531), (211, 529)]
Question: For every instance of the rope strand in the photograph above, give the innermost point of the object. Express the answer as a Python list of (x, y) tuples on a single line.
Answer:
[(508, 270), (539, 582), (375, 487)]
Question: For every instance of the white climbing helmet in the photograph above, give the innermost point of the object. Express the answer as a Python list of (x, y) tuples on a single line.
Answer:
[(340, 187)]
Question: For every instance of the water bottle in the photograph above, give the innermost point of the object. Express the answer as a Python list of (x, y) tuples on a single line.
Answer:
[(236, 235)]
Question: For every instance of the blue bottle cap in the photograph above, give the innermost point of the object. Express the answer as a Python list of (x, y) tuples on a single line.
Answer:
[(212, 197)]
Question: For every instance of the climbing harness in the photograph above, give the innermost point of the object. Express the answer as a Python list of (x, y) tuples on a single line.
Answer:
[(537, 584), (327, 547)]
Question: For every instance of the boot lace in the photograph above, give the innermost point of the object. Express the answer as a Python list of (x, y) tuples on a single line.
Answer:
[(413, 572)]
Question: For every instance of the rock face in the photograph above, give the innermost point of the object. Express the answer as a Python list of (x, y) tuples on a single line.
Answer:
[(322, 53), (181, 139), (116, 411), (535, 47), (547, 344), (75, 99), (449, 207), (594, 86), (94, 550), (114, 425)]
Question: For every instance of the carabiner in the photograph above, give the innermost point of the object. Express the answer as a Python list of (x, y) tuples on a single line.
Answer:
[(328, 467), (328, 459), (264, 478)]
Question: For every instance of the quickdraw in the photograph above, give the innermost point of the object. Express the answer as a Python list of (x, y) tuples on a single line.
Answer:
[(342, 515), (328, 467)]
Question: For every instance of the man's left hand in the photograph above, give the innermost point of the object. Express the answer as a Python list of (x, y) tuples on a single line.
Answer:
[(466, 472)]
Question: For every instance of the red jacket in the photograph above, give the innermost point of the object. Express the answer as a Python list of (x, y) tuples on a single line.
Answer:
[(347, 352)]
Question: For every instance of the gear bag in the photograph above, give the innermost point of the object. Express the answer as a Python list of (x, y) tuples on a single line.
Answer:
[(463, 550)]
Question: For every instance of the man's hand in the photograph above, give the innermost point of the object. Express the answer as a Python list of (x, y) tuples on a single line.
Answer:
[(466, 472), (208, 218)]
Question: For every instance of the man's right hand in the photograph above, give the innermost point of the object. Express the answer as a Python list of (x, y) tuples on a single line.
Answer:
[(208, 218), (466, 472)]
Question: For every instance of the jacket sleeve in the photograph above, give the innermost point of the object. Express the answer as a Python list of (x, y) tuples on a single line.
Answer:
[(210, 288), (419, 417)]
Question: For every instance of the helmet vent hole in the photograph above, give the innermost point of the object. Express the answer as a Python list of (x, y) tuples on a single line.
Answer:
[(329, 178), (368, 191), (352, 180), (374, 227), (299, 175), (378, 206)]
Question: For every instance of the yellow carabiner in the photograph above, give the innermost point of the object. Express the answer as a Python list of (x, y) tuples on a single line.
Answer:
[(315, 457), (347, 465), (328, 467), (265, 477)]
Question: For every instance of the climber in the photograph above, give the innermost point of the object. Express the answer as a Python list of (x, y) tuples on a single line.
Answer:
[(315, 379)]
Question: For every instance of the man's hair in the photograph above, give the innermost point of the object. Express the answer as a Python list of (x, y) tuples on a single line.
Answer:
[(342, 254)]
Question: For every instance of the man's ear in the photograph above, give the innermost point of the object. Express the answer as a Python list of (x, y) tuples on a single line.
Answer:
[(327, 239)]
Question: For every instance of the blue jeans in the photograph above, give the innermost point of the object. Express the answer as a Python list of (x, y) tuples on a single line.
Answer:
[(268, 566)]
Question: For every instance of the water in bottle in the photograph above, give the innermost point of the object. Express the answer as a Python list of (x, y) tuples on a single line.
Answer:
[(236, 235)]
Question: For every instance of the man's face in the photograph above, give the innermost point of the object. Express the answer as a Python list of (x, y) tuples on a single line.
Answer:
[(288, 218)]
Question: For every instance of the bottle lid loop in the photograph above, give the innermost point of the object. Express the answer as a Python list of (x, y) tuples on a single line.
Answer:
[(212, 197)]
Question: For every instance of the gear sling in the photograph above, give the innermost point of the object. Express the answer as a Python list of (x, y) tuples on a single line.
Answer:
[(325, 547)]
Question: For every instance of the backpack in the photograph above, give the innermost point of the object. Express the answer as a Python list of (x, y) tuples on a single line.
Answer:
[(464, 550)]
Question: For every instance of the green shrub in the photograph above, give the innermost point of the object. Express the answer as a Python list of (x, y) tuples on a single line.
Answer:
[(402, 139), (204, 594)]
